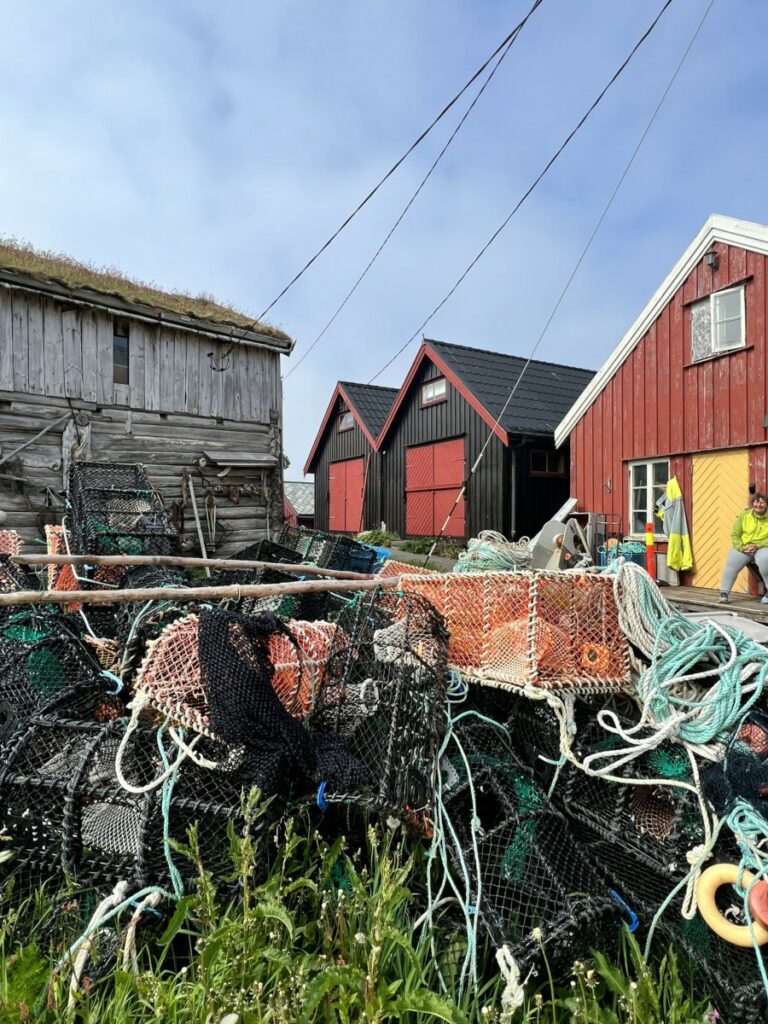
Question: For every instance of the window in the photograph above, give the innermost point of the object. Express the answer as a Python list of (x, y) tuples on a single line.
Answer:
[(346, 421), (120, 352), (546, 463), (434, 391), (647, 481), (717, 323)]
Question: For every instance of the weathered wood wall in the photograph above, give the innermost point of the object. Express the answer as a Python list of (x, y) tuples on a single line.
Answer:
[(56, 359)]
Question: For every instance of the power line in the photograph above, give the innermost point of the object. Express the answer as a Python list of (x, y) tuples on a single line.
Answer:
[(573, 273), (617, 74), (504, 43), (423, 182)]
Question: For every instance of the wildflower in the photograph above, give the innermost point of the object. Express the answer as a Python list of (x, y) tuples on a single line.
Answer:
[(711, 1016), (538, 1000), (536, 934), (360, 938)]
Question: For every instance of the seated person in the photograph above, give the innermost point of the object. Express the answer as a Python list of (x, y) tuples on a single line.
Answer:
[(750, 544)]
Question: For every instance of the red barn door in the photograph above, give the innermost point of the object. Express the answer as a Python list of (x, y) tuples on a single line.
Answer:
[(345, 496), (434, 474)]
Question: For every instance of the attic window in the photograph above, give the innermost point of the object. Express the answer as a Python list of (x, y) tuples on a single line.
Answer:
[(434, 391), (546, 463), (346, 421), (718, 324), (120, 334)]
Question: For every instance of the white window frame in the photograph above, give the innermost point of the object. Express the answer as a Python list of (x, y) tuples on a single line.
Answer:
[(434, 391), (346, 422), (742, 319), (650, 497)]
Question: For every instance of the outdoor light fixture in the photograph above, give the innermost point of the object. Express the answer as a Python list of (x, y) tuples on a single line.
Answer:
[(712, 258)]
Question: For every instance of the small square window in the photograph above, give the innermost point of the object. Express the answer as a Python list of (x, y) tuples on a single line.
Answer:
[(434, 391), (346, 421), (546, 463), (120, 352), (718, 324)]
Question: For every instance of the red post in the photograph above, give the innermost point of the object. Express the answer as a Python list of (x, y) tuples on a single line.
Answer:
[(650, 551)]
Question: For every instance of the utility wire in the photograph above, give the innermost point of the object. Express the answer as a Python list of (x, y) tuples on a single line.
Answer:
[(504, 43), (617, 74), (423, 182), (580, 260)]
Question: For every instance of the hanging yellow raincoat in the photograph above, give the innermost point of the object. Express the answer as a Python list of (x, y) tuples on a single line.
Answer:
[(671, 510)]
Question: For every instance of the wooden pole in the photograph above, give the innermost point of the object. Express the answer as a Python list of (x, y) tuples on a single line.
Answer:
[(203, 552), (192, 593), (292, 568)]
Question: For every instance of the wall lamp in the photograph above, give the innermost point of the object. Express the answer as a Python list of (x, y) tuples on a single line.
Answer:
[(712, 258)]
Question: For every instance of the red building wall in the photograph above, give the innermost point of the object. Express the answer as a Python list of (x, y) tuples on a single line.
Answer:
[(660, 404)]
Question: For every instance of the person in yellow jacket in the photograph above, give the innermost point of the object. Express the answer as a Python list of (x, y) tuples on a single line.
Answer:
[(750, 544)]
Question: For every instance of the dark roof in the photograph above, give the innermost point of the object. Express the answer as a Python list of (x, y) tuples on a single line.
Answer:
[(371, 402), (546, 393), (301, 494)]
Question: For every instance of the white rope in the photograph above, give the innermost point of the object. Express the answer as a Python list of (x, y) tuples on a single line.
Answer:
[(137, 705), (514, 992), (116, 897), (130, 957)]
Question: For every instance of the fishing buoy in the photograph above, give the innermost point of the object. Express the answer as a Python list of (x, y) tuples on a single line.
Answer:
[(737, 935), (758, 902)]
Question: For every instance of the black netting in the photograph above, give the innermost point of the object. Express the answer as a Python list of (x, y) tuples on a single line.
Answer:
[(114, 510), (536, 890), (384, 695), (330, 551), (266, 551)]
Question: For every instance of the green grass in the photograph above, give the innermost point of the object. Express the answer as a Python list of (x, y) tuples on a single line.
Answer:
[(378, 538), (423, 545), (327, 936)]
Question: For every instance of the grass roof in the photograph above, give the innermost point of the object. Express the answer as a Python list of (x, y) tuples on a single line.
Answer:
[(50, 266)]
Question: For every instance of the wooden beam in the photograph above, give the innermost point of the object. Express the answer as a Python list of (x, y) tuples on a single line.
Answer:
[(292, 568), (46, 428), (192, 593)]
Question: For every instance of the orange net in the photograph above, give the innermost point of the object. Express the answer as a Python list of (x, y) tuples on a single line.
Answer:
[(393, 568), (60, 577), (10, 542), (170, 674), (299, 667), (549, 629)]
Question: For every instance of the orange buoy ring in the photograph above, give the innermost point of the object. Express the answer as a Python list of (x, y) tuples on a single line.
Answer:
[(709, 882)]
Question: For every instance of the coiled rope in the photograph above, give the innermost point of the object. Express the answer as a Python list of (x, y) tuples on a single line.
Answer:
[(492, 552)]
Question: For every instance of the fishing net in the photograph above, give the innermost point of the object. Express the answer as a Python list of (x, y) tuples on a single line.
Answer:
[(546, 629), (639, 836), (306, 606), (266, 551), (329, 551), (10, 542), (384, 696), (114, 510), (535, 889), (394, 568), (64, 810), (14, 578), (214, 674), (39, 656)]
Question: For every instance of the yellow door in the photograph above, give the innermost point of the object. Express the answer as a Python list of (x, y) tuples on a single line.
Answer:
[(720, 492)]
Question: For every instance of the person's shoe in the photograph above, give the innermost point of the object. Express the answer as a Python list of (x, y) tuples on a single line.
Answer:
[(724, 598)]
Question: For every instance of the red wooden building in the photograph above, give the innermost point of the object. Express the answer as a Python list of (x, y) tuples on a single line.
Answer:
[(684, 393)]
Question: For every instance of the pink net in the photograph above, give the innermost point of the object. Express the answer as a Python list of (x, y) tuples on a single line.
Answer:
[(299, 668), (10, 542), (547, 629), (393, 568)]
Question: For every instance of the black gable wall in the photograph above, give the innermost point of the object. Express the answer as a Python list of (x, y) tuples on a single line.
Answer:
[(489, 499), (335, 447)]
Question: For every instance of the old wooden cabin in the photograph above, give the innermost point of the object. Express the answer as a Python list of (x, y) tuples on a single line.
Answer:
[(95, 366)]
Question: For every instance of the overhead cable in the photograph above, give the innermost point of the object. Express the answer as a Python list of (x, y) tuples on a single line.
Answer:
[(423, 182), (569, 138)]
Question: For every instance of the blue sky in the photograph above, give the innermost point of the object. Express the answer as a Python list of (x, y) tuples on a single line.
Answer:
[(213, 147)]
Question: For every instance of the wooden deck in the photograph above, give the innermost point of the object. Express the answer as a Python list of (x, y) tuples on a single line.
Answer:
[(696, 599)]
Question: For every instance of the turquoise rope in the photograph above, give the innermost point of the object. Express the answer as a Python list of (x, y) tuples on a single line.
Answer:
[(165, 803)]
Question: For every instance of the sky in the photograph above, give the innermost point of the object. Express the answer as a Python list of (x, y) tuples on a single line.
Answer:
[(212, 147)]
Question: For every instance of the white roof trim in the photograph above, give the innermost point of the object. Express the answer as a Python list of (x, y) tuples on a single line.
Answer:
[(743, 233)]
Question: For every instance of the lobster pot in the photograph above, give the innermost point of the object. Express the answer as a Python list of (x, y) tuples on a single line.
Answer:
[(392, 567), (525, 869), (266, 551), (511, 629), (38, 658), (384, 697), (114, 510), (330, 551), (10, 542), (286, 606), (64, 810)]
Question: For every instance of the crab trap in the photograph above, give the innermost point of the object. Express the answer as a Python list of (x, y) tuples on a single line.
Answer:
[(534, 888), (115, 510), (383, 696), (329, 551)]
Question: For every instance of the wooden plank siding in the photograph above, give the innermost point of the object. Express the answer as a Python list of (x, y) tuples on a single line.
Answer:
[(57, 358), (337, 447), (661, 404)]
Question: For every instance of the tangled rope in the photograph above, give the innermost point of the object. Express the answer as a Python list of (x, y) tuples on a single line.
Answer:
[(492, 552)]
